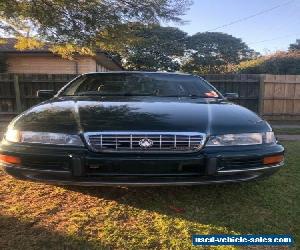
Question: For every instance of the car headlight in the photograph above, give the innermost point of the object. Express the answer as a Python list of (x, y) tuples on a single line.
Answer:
[(42, 137), (241, 139)]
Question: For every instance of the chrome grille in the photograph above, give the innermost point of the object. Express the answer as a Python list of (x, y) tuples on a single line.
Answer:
[(145, 141)]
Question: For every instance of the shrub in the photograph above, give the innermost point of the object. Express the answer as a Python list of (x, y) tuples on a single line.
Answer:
[(277, 63)]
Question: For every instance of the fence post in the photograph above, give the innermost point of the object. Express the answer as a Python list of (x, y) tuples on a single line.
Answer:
[(17, 92), (261, 94)]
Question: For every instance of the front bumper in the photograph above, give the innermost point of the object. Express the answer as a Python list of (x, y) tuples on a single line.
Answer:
[(70, 166)]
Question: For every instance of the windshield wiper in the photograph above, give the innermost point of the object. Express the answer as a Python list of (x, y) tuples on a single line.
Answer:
[(89, 93)]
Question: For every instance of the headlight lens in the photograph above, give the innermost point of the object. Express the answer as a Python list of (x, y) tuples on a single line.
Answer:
[(12, 135), (241, 139), (43, 138), (269, 137)]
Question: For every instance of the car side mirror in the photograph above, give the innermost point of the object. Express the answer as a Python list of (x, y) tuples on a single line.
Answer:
[(231, 96), (45, 94)]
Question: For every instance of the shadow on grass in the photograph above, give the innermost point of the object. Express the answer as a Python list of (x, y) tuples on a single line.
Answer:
[(254, 207), (269, 206), (16, 234), (127, 218)]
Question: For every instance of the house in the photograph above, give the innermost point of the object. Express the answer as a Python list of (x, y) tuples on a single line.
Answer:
[(43, 61)]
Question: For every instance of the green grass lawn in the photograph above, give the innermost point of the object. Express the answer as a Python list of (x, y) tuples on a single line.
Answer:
[(37, 216)]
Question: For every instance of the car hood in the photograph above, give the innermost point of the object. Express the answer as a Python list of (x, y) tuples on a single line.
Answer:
[(90, 114)]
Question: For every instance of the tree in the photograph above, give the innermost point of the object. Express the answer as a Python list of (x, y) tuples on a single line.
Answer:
[(214, 52), (159, 48), (278, 63), (295, 46), (83, 23)]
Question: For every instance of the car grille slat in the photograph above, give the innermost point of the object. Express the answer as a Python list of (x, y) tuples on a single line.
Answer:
[(131, 141)]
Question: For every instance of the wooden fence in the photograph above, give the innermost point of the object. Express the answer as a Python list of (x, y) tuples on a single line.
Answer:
[(247, 86), (272, 96), (281, 98), (18, 92)]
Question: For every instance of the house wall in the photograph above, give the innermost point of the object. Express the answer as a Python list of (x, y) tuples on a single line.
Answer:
[(86, 64), (50, 64), (101, 68)]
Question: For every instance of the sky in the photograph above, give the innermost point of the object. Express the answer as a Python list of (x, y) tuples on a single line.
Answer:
[(280, 26)]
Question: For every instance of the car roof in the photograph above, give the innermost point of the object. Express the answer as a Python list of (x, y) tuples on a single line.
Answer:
[(137, 72)]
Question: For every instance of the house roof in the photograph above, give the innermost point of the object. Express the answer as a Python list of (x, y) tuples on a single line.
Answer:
[(9, 47)]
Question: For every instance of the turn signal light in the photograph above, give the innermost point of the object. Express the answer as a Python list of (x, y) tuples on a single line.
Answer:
[(273, 159), (10, 159)]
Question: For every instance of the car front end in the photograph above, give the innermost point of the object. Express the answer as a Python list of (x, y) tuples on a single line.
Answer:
[(139, 140)]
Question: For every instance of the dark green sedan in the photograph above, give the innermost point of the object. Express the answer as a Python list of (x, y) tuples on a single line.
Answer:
[(139, 128)]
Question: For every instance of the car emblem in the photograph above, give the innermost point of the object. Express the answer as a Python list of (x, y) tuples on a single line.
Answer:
[(145, 143)]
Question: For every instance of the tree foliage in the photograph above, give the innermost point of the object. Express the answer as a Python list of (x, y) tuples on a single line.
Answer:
[(82, 22), (159, 48), (170, 49), (126, 28), (214, 52), (295, 46), (277, 63)]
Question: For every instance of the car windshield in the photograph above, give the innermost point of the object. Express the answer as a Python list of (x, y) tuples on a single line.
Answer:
[(140, 84)]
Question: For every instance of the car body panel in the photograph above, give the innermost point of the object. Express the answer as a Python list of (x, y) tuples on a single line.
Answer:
[(88, 114), (72, 115), (47, 173)]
